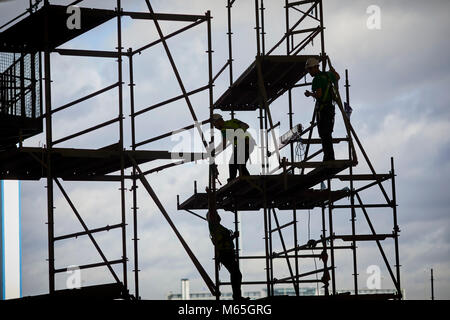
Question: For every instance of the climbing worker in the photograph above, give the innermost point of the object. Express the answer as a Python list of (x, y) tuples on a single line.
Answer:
[(235, 132), (322, 91), (222, 238)]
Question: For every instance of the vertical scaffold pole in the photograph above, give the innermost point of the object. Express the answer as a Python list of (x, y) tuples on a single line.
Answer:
[(50, 206), (396, 227), (230, 46), (324, 244), (212, 178), (121, 144), (352, 196), (330, 222), (134, 187), (48, 132)]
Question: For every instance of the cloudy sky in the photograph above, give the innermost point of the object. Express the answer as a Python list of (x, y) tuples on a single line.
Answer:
[(399, 79)]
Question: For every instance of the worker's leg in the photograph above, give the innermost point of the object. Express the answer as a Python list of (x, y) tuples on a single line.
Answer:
[(243, 171), (233, 166), (325, 126), (228, 259)]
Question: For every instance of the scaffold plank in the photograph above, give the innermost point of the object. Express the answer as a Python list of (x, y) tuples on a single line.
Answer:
[(28, 163), (280, 73)]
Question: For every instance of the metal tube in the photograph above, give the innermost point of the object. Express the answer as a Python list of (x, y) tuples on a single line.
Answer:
[(134, 187), (352, 196), (263, 42), (230, 47), (322, 34), (292, 28), (121, 144), (159, 104), (269, 234), (175, 70), (396, 227), (258, 44), (324, 245), (286, 255), (330, 222), (67, 105), (211, 172), (167, 37), (432, 285), (80, 133), (372, 229), (151, 192), (83, 233), (86, 229), (50, 208)]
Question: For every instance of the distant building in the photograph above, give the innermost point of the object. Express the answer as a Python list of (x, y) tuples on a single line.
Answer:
[(256, 294)]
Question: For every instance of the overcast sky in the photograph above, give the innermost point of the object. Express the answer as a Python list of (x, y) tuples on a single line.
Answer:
[(399, 78)]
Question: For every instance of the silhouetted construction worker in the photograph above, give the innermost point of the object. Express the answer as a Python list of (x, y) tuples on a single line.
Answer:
[(235, 132), (222, 238), (322, 91)]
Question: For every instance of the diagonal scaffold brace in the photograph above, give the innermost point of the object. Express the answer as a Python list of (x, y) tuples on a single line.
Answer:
[(209, 283)]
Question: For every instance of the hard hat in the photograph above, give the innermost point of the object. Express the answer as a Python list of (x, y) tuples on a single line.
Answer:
[(311, 62), (216, 117)]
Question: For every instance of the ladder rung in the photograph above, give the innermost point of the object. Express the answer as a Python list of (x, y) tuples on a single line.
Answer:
[(92, 265), (297, 3), (82, 233), (364, 237), (319, 164), (278, 256), (346, 177), (319, 141), (276, 125), (362, 206), (327, 248), (307, 30), (307, 273)]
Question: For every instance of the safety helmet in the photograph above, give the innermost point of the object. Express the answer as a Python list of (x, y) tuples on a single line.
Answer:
[(311, 62)]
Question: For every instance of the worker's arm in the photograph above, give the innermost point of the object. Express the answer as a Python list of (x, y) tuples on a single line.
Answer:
[(316, 94), (221, 147)]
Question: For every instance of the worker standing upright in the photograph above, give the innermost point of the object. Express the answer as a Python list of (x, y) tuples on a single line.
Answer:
[(235, 132), (322, 91)]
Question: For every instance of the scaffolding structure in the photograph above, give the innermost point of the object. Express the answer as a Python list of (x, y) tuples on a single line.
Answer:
[(289, 186)]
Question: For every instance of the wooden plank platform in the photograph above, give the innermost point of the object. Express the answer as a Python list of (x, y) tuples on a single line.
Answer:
[(103, 292), (12, 128), (283, 192), (29, 33), (279, 72), (73, 164)]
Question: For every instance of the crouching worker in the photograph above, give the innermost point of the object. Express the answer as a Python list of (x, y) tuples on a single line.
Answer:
[(222, 238), (235, 131)]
